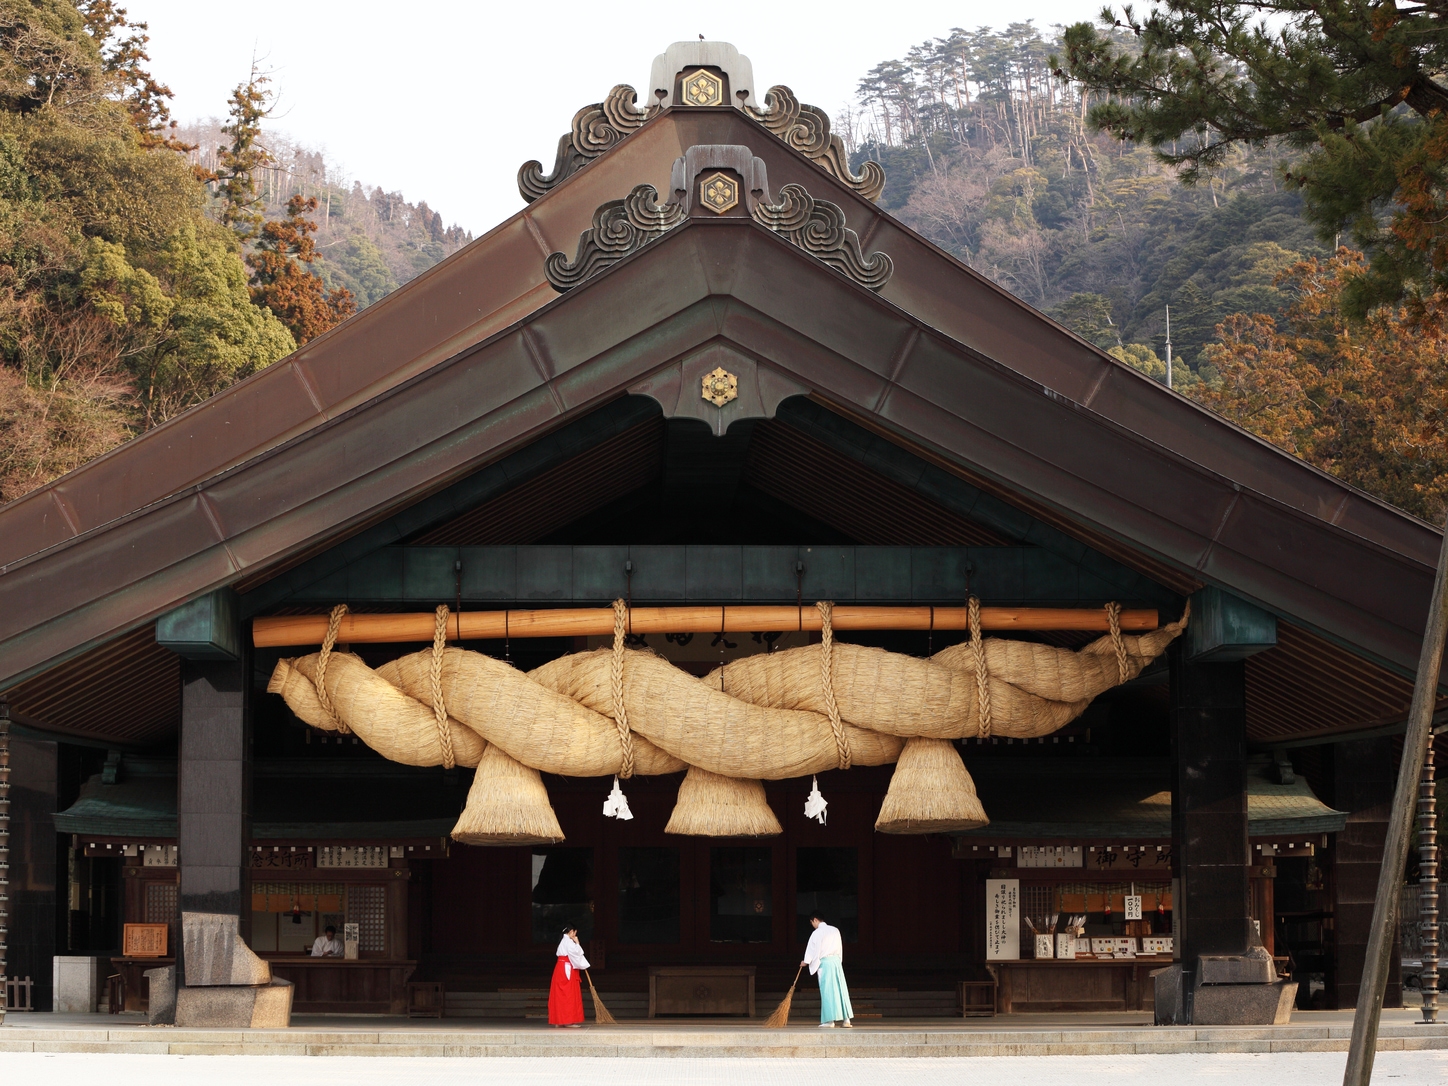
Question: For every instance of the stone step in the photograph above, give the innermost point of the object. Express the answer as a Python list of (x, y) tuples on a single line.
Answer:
[(743, 1041)]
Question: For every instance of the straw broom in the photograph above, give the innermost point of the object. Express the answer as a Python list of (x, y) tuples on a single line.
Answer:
[(780, 1018), (600, 1012)]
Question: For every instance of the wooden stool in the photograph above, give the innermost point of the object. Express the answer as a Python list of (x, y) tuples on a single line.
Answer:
[(978, 998), (425, 999)]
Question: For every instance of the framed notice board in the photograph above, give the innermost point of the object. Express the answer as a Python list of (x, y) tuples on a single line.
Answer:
[(145, 940)]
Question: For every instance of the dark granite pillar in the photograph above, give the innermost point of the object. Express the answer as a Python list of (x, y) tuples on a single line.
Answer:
[(33, 865), (1209, 807), (213, 801), (1364, 773)]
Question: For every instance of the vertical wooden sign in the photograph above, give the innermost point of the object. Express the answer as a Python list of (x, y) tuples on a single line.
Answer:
[(1002, 919)]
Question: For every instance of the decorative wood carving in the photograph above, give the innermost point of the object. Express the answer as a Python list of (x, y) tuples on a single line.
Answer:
[(818, 227), (619, 227), (807, 129), (595, 129)]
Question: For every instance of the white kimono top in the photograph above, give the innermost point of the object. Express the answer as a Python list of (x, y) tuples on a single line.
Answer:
[(326, 948), (824, 942), (574, 953)]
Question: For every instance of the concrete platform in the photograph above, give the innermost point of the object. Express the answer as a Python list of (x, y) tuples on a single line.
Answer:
[(1017, 1035)]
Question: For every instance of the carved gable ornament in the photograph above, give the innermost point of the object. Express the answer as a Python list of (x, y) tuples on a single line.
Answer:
[(718, 192), (702, 88), (621, 227), (599, 126)]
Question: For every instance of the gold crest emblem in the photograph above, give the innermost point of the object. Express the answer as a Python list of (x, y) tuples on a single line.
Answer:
[(720, 387), (718, 192), (703, 88)]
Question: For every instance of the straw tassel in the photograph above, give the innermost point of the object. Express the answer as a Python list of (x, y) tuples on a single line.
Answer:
[(780, 1018)]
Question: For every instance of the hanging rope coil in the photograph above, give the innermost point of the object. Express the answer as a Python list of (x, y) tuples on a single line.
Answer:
[(334, 623), (1113, 620), (439, 709), (620, 711), (982, 672), (827, 680)]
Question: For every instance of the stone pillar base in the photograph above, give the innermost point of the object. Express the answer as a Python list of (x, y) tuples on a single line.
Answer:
[(266, 1006)]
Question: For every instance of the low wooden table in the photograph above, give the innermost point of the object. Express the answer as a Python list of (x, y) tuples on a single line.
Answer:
[(343, 986), (1076, 984), (701, 989)]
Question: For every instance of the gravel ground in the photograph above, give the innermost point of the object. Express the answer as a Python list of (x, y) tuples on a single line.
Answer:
[(1238, 1069)]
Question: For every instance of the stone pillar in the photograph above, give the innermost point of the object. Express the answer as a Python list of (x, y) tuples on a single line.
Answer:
[(213, 801), (33, 866), (1208, 720), (1364, 773)]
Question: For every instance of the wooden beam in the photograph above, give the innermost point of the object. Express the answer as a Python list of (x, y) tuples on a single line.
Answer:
[(579, 622)]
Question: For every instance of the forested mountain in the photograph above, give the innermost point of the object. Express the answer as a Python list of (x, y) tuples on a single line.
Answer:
[(991, 157), (368, 241), (140, 273)]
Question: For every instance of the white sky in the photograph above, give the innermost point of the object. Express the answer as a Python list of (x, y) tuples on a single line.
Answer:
[(443, 100)]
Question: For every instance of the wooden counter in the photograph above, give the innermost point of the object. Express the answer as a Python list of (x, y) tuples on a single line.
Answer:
[(340, 986), (1036, 985)]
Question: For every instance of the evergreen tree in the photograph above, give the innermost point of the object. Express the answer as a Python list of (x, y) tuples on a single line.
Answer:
[(1357, 84), (241, 205)]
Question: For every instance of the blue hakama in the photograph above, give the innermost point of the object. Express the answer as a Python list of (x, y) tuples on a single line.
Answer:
[(834, 992)]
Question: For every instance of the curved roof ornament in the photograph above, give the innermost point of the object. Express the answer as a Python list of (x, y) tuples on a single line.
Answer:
[(720, 75), (690, 55)]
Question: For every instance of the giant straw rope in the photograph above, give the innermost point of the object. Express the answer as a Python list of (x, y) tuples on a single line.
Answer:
[(769, 716)]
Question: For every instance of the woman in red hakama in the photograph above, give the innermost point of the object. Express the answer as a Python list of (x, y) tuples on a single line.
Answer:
[(565, 997)]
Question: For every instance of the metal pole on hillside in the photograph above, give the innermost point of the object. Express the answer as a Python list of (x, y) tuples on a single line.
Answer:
[(1369, 1011)]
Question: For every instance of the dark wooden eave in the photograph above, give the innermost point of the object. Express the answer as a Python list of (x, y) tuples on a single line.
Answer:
[(1100, 444)]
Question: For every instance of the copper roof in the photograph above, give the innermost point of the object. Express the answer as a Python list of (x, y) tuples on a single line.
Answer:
[(478, 357)]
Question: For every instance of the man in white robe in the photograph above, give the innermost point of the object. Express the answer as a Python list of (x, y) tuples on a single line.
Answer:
[(824, 954), (327, 945)]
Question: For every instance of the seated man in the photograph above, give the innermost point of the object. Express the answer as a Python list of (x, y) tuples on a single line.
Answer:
[(328, 945)]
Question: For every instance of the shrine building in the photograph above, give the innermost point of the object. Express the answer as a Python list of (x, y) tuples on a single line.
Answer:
[(703, 490)]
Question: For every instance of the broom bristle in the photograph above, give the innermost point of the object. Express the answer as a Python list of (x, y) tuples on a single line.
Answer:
[(600, 1012), (780, 1018)]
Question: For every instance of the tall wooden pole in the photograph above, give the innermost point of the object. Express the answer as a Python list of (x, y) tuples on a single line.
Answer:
[(1363, 1046)]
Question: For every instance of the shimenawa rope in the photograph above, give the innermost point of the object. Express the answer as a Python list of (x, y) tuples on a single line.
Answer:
[(982, 673), (827, 680), (439, 710), (334, 623), (620, 711)]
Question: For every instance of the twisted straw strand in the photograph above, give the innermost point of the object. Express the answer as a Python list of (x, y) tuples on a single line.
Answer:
[(827, 680), (324, 699), (620, 712), (439, 710), (982, 673), (1113, 620)]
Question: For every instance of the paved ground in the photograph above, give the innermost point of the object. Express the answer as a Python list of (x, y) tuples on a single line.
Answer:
[(1227, 1069)]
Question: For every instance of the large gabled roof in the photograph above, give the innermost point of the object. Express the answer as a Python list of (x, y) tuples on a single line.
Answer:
[(480, 356)]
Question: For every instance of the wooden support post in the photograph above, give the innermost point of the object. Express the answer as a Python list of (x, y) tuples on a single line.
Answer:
[(1428, 885), (1363, 1046)]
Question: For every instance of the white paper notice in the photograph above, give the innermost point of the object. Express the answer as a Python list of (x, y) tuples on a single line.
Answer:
[(1133, 906), (1002, 919)]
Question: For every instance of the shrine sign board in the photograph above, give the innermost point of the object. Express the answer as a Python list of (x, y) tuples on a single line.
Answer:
[(145, 940), (1002, 919)]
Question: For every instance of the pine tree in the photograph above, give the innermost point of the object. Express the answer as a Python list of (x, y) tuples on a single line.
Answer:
[(280, 282), (1357, 83), (241, 206)]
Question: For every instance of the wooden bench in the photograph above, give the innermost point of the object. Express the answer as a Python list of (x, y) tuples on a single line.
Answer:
[(978, 998)]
